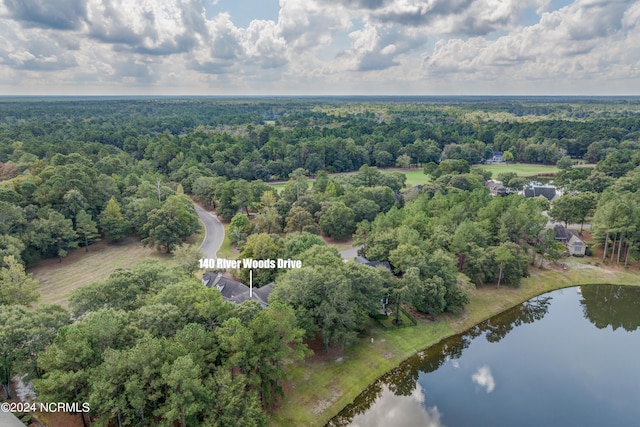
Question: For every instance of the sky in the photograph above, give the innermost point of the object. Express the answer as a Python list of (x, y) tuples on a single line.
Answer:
[(319, 47)]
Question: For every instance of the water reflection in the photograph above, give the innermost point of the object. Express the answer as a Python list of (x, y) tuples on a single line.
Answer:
[(403, 380), (615, 306), (400, 411), (484, 378), (576, 374), (499, 326)]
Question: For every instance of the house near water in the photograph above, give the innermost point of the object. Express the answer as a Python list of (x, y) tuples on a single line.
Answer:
[(570, 238)]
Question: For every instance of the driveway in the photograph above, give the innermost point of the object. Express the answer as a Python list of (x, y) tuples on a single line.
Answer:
[(350, 253), (214, 233)]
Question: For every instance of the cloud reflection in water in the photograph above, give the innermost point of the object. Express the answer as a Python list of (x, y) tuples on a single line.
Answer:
[(399, 411), (484, 378)]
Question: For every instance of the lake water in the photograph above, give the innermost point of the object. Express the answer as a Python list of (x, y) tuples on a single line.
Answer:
[(567, 358)]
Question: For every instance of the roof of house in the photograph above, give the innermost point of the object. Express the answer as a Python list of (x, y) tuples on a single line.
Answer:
[(575, 240), (495, 187), (234, 291), (534, 190), (567, 236)]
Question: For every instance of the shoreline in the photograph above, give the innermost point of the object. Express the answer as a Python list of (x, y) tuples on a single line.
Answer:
[(318, 391)]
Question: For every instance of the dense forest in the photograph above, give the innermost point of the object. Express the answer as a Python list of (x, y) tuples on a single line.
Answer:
[(75, 170)]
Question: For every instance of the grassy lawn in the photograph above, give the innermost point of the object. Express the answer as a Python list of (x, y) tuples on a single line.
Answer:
[(79, 268), (277, 186), (405, 322), (59, 279), (521, 169), (225, 250), (317, 391), (415, 176)]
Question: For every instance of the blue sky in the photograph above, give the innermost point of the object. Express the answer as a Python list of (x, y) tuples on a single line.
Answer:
[(320, 47)]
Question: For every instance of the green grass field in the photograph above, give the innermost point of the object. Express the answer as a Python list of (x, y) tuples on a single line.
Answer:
[(414, 177), (521, 169), (417, 177), (59, 279)]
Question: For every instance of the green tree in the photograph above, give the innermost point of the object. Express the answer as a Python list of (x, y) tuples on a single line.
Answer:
[(296, 243), (125, 289), (403, 161), (113, 224), (268, 220), (564, 163), (507, 156), (169, 225), (323, 302), (243, 196), (53, 235), (512, 263), (188, 257), (74, 202), (338, 221), (299, 219), (86, 228), (14, 338), (12, 219), (562, 210), (70, 363), (11, 246), (16, 286), (260, 247), (23, 336), (277, 342), (585, 206), (227, 202), (240, 228), (321, 182)]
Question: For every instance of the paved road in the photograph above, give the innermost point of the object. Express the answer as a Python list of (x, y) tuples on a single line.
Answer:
[(214, 233), (350, 253)]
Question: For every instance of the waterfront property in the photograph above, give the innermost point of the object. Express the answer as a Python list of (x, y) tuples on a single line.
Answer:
[(571, 239)]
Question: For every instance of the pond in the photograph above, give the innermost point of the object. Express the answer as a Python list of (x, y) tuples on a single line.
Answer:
[(569, 357)]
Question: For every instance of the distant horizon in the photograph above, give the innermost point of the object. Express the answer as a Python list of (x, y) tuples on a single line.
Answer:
[(314, 96)]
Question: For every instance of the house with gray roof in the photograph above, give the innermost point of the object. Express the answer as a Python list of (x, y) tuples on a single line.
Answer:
[(535, 190), (234, 291), (571, 239)]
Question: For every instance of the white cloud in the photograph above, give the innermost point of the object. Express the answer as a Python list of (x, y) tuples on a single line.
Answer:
[(309, 24), (323, 46), (584, 39), (484, 378)]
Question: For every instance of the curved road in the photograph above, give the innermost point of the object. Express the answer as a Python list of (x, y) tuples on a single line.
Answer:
[(213, 233)]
